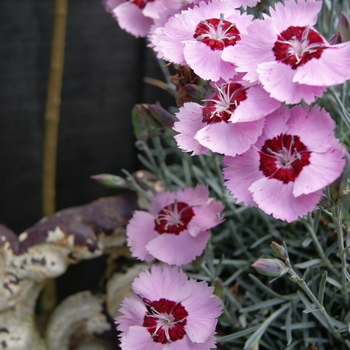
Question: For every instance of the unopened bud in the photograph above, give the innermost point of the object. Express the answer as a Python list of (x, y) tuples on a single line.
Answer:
[(343, 34), (197, 92), (344, 197), (110, 180), (150, 120), (325, 202), (270, 267), (344, 27), (280, 251)]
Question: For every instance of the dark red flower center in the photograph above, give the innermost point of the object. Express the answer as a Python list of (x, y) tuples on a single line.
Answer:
[(297, 45), (217, 33), (141, 3), (165, 320), (283, 158), (173, 218), (223, 104)]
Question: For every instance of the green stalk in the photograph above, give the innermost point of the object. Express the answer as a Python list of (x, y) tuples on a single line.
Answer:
[(294, 277), (342, 251)]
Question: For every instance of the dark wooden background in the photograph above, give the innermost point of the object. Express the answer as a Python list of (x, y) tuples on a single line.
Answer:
[(103, 79)]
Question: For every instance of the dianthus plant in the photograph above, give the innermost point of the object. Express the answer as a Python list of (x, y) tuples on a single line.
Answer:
[(256, 151)]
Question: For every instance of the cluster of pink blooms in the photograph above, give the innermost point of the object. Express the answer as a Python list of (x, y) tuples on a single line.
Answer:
[(278, 158), (275, 157), (168, 311)]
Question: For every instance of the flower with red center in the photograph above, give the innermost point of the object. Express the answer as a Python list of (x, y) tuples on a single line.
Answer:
[(297, 45), (175, 230), (217, 33), (229, 122), (137, 16), (141, 3), (288, 56), (284, 173), (198, 37), (168, 312)]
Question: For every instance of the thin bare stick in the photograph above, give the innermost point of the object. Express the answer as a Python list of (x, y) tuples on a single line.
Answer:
[(52, 111), (52, 116)]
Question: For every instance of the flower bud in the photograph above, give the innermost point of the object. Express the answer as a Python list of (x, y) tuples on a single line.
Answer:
[(325, 202), (197, 92), (150, 120), (279, 251), (270, 267), (344, 28), (343, 34), (344, 197), (110, 180)]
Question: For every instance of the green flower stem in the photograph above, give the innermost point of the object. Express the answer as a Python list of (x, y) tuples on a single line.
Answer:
[(294, 277), (345, 113), (310, 227), (342, 251)]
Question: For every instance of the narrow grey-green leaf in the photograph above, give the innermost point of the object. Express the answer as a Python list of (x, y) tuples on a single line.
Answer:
[(263, 326), (308, 263), (322, 287), (288, 326)]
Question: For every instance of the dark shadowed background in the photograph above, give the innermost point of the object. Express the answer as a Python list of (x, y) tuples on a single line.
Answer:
[(103, 79)]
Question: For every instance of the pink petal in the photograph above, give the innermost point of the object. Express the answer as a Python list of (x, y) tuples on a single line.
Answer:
[(190, 121), (203, 310), (253, 49), (178, 249), (176, 31), (241, 172), (276, 198), (140, 231), (207, 63), (162, 282), (275, 124), (111, 4), (301, 13), (332, 68), (133, 310), (186, 344), (250, 3), (228, 138), (258, 104), (192, 196), (198, 195), (324, 168), (155, 9), (302, 121), (277, 79), (131, 19), (206, 217), (138, 338)]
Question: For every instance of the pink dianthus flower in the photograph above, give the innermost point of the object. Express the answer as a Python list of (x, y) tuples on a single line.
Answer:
[(137, 16), (175, 230), (287, 54), (168, 312), (245, 3), (284, 173), (198, 37), (230, 121)]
